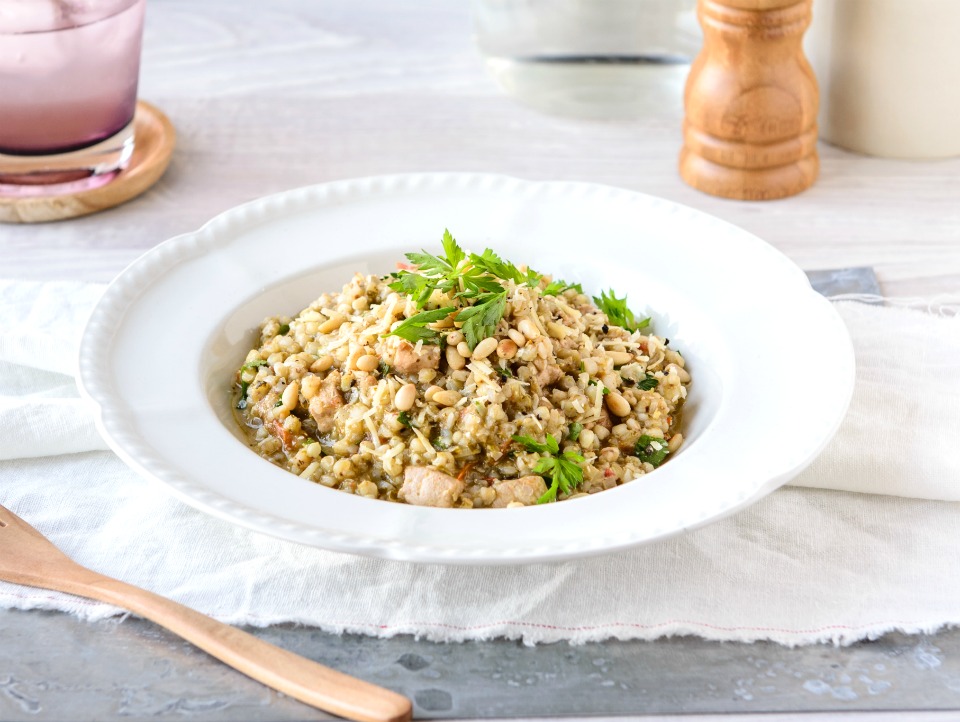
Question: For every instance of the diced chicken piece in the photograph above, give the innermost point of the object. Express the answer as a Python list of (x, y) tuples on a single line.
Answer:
[(403, 357), (276, 428), (526, 490), (425, 486), (604, 419), (547, 373), (329, 399)]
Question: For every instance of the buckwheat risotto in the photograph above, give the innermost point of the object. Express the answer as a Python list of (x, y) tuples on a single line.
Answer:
[(463, 380)]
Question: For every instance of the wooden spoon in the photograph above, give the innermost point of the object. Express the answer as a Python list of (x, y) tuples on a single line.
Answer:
[(29, 558)]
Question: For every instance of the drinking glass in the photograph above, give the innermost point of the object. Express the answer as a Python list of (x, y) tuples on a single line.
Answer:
[(589, 58), (68, 91)]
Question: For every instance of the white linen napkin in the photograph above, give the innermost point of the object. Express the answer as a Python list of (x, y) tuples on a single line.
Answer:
[(859, 552)]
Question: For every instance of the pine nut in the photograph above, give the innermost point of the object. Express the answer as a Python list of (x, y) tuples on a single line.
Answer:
[(463, 349), (507, 349), (405, 397), (367, 363), (322, 364), (454, 337), (556, 330), (431, 392), (528, 329), (485, 348), (517, 337), (675, 442), (332, 324), (454, 360), (446, 398), (290, 396), (617, 404), (620, 357)]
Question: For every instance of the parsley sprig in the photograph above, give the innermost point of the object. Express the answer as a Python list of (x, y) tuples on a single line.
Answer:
[(562, 470), (476, 280), (618, 313)]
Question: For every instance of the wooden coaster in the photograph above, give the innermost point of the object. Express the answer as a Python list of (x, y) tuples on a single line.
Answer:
[(154, 141)]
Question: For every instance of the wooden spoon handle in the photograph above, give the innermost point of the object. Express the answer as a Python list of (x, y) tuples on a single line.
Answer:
[(289, 673)]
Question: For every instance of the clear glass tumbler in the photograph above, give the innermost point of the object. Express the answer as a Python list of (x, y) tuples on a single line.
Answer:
[(589, 58), (68, 91)]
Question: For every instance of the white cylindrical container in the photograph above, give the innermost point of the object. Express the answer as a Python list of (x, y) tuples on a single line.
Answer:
[(889, 75)]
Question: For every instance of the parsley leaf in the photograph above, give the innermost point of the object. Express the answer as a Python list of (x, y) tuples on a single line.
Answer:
[(415, 328), (555, 288), (404, 418), (652, 450), (648, 383), (415, 285), (481, 319), (491, 263), (504, 371), (575, 428), (254, 364), (455, 254), (550, 446), (617, 312)]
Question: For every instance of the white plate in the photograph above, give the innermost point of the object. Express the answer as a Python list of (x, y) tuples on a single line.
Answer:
[(772, 363)]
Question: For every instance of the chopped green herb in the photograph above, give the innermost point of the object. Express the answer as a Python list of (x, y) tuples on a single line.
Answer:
[(604, 390), (284, 329), (254, 364), (278, 404), (306, 441), (404, 418), (504, 372), (383, 367), (439, 444), (415, 328), (652, 450), (648, 383), (618, 313), (242, 402), (575, 428), (562, 470)]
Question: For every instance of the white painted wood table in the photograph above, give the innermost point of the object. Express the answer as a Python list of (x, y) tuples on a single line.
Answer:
[(269, 96)]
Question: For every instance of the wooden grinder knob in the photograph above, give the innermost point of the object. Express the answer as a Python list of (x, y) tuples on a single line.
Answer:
[(751, 101)]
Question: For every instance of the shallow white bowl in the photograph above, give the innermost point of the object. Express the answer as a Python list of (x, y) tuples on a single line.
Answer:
[(772, 362)]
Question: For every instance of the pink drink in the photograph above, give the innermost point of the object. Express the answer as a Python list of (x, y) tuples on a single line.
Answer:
[(68, 81)]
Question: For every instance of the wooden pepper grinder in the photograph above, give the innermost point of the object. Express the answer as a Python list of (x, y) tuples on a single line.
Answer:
[(751, 101)]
